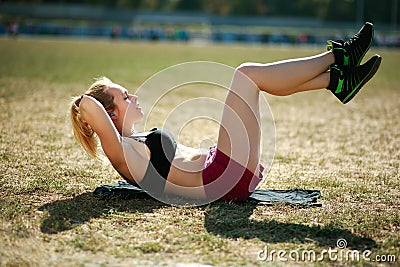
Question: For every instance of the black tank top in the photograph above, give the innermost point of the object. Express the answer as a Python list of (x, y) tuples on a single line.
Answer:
[(162, 146)]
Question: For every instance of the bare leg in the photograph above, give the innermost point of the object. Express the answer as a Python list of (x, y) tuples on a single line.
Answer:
[(282, 77), (321, 81), (239, 134)]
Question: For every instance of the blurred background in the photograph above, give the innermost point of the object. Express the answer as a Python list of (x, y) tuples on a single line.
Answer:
[(288, 22)]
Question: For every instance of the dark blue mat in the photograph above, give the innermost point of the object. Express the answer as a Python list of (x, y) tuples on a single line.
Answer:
[(260, 196)]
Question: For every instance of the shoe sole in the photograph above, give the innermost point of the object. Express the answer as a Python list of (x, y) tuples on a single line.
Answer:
[(368, 77), (370, 43)]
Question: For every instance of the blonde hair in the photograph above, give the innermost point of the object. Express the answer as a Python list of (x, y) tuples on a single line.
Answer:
[(83, 133)]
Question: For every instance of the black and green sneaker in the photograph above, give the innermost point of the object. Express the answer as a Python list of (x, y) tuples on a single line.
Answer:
[(351, 52), (345, 83)]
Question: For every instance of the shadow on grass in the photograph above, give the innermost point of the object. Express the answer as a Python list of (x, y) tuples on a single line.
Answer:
[(69, 213), (233, 221), (229, 220)]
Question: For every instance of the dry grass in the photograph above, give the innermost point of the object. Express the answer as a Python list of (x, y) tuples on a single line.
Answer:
[(48, 216)]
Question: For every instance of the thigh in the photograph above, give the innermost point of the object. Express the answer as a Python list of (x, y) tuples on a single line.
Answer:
[(239, 134)]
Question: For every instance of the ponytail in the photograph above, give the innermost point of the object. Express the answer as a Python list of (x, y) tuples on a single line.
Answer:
[(82, 131)]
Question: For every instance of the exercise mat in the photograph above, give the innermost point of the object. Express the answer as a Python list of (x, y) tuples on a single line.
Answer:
[(260, 196)]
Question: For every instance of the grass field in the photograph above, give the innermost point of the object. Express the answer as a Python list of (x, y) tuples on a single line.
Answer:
[(49, 217)]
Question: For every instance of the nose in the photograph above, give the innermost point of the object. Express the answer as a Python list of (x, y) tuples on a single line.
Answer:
[(133, 98)]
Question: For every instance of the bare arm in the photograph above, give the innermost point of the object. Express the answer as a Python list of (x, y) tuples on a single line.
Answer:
[(111, 141), (96, 116)]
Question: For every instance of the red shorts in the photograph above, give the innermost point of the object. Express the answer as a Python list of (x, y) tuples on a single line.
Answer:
[(225, 178)]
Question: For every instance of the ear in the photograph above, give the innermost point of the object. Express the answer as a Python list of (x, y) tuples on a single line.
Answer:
[(112, 116)]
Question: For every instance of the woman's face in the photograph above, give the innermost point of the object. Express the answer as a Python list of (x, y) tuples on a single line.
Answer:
[(127, 110)]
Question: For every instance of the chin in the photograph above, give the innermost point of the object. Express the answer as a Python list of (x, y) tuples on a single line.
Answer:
[(138, 119)]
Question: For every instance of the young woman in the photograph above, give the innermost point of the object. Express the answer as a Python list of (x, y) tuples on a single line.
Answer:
[(231, 170)]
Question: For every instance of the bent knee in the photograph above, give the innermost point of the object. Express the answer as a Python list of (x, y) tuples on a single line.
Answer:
[(247, 73), (246, 68)]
